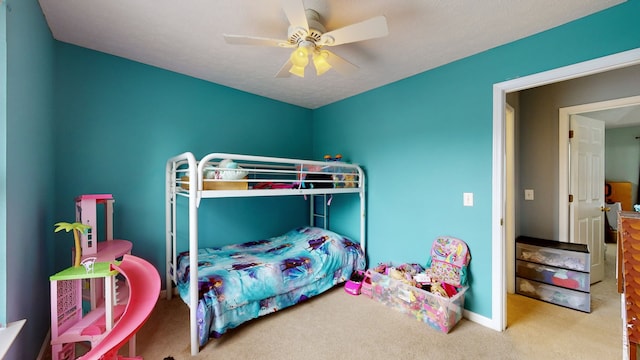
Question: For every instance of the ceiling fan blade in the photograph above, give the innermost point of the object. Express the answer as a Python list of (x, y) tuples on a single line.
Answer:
[(294, 9), (284, 71), (339, 64), (255, 40), (369, 29)]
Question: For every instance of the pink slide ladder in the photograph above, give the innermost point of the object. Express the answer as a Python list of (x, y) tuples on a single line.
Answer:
[(144, 288)]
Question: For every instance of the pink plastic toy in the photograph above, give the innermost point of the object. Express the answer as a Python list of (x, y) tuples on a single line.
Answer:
[(144, 288), (354, 284), (366, 284), (86, 213), (69, 324), (106, 250)]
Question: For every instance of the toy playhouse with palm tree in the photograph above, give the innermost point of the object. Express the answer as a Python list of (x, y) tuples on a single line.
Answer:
[(87, 213), (90, 278)]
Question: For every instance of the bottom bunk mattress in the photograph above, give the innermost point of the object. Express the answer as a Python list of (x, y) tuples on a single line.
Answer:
[(240, 282)]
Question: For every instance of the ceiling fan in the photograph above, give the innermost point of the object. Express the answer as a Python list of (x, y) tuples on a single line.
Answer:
[(308, 37)]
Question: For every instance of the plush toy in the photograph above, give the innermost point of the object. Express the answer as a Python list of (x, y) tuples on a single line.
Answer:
[(395, 274), (235, 172), (405, 273), (381, 268), (411, 269)]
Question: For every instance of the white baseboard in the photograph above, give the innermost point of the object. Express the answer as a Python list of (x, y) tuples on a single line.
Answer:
[(479, 319)]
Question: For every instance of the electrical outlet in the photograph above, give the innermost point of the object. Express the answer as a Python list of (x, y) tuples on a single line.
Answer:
[(467, 199), (528, 194)]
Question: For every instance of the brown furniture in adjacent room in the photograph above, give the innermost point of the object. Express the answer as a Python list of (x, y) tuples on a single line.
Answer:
[(619, 191), (629, 275)]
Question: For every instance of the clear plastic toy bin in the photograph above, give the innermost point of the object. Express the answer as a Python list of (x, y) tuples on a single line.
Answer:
[(441, 313)]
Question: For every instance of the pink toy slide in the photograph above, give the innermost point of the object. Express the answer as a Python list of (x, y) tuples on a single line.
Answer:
[(144, 289)]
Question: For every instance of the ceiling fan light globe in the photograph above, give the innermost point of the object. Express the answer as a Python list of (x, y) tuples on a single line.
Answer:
[(320, 62), (297, 70), (300, 57)]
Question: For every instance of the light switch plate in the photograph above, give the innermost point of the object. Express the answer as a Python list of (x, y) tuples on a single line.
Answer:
[(528, 194), (467, 199)]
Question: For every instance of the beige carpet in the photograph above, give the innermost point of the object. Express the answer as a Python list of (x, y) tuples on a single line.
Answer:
[(337, 325)]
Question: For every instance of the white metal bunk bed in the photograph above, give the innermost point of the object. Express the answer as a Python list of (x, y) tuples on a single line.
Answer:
[(265, 176)]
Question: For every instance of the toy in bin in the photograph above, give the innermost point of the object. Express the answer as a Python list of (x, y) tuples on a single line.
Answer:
[(367, 288), (354, 284), (433, 294)]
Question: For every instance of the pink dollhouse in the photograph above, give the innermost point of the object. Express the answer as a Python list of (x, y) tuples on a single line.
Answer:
[(94, 281), (87, 213), (100, 251), (68, 323)]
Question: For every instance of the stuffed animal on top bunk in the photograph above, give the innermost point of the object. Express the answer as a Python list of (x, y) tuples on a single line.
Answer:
[(227, 169)]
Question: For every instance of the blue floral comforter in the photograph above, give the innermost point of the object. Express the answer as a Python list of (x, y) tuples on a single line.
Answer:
[(243, 281)]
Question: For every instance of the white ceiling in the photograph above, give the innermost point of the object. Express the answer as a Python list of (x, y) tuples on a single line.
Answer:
[(186, 37), (619, 117)]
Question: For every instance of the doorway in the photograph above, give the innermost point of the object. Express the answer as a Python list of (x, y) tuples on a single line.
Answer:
[(499, 198), (597, 111)]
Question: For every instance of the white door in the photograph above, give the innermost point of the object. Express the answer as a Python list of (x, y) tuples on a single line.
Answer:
[(586, 223)]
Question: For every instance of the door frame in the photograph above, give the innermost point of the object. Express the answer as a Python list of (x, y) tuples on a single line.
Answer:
[(499, 276), (563, 151), (510, 193)]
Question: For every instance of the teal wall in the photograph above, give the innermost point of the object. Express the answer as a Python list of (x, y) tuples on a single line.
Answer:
[(622, 156), (29, 192), (622, 149), (429, 146), (432, 141), (117, 123)]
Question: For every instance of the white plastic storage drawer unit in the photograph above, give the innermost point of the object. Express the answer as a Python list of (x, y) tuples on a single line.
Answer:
[(554, 272)]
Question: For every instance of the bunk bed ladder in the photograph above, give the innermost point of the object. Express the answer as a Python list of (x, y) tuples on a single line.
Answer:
[(319, 213)]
